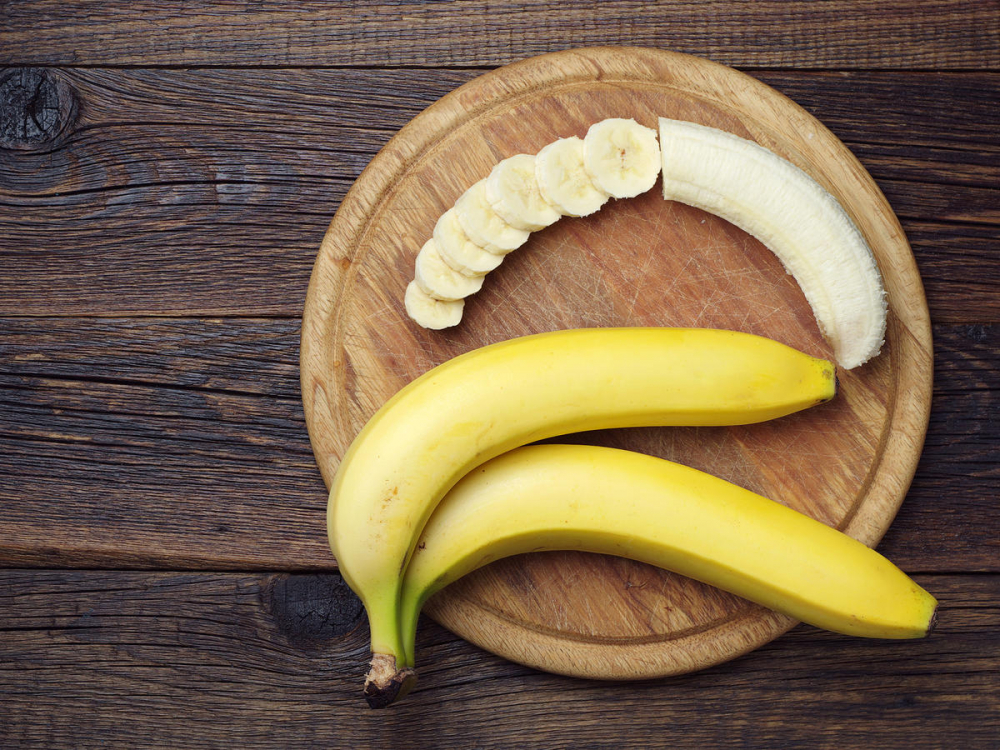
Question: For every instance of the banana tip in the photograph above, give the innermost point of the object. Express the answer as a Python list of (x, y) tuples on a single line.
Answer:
[(385, 683), (932, 623)]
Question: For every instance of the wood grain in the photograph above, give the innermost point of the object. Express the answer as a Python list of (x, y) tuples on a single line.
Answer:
[(128, 659), (642, 262), (172, 192), (144, 422), (837, 33)]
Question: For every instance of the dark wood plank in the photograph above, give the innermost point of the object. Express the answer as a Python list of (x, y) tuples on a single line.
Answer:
[(181, 443), (125, 659), (957, 474), (837, 33), (207, 192)]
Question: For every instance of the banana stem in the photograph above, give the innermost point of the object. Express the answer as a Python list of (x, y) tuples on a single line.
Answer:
[(391, 676), (387, 681), (411, 605)]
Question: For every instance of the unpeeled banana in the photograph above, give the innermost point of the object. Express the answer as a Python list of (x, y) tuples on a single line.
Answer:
[(488, 401), (581, 497)]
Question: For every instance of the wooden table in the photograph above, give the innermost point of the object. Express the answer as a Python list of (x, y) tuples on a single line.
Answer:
[(165, 179)]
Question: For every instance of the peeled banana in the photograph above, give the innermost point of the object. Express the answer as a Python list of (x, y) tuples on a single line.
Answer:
[(431, 313), (483, 225), (483, 403), (717, 171), (439, 280), (622, 157), (458, 251), (794, 216), (580, 497), (564, 181), (512, 190)]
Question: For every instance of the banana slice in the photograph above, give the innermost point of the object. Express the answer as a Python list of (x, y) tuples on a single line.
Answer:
[(512, 191), (458, 251), (795, 217), (563, 179), (431, 313), (622, 157), (483, 225), (439, 280)]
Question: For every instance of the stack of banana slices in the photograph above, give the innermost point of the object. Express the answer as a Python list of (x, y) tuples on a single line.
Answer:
[(716, 171), (618, 158)]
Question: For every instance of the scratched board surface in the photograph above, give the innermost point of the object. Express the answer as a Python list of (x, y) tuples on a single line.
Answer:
[(638, 262)]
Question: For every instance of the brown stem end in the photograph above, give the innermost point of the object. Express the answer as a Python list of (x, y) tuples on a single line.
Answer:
[(385, 683)]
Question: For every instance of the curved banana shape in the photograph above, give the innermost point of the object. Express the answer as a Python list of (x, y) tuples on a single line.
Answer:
[(580, 497), (485, 402), (794, 216)]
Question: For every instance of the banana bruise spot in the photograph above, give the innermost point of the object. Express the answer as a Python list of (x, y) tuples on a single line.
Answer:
[(385, 683)]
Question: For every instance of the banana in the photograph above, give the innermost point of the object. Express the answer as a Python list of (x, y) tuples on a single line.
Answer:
[(429, 312), (605, 500), (458, 251), (622, 157), (795, 217), (439, 280), (490, 400), (483, 226), (512, 191), (564, 181)]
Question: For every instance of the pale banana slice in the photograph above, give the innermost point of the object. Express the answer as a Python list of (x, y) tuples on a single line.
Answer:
[(483, 225), (564, 181), (794, 216), (458, 251), (428, 312), (512, 191), (439, 280), (622, 157)]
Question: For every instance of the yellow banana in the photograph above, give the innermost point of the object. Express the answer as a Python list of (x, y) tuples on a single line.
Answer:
[(499, 397), (581, 497)]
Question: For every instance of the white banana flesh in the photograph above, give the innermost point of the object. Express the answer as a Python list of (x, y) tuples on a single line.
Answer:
[(739, 180), (622, 157), (512, 191), (483, 225), (439, 280), (564, 181), (458, 251), (431, 313), (794, 216), (604, 500), (526, 193)]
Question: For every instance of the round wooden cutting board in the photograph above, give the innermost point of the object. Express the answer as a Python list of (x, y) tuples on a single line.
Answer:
[(637, 262)]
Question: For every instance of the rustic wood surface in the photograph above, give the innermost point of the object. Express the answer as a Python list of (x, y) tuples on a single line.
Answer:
[(166, 176)]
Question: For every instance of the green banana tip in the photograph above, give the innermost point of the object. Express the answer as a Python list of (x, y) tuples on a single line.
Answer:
[(386, 683)]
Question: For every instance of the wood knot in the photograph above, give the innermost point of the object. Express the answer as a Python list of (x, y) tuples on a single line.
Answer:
[(36, 105), (311, 609)]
